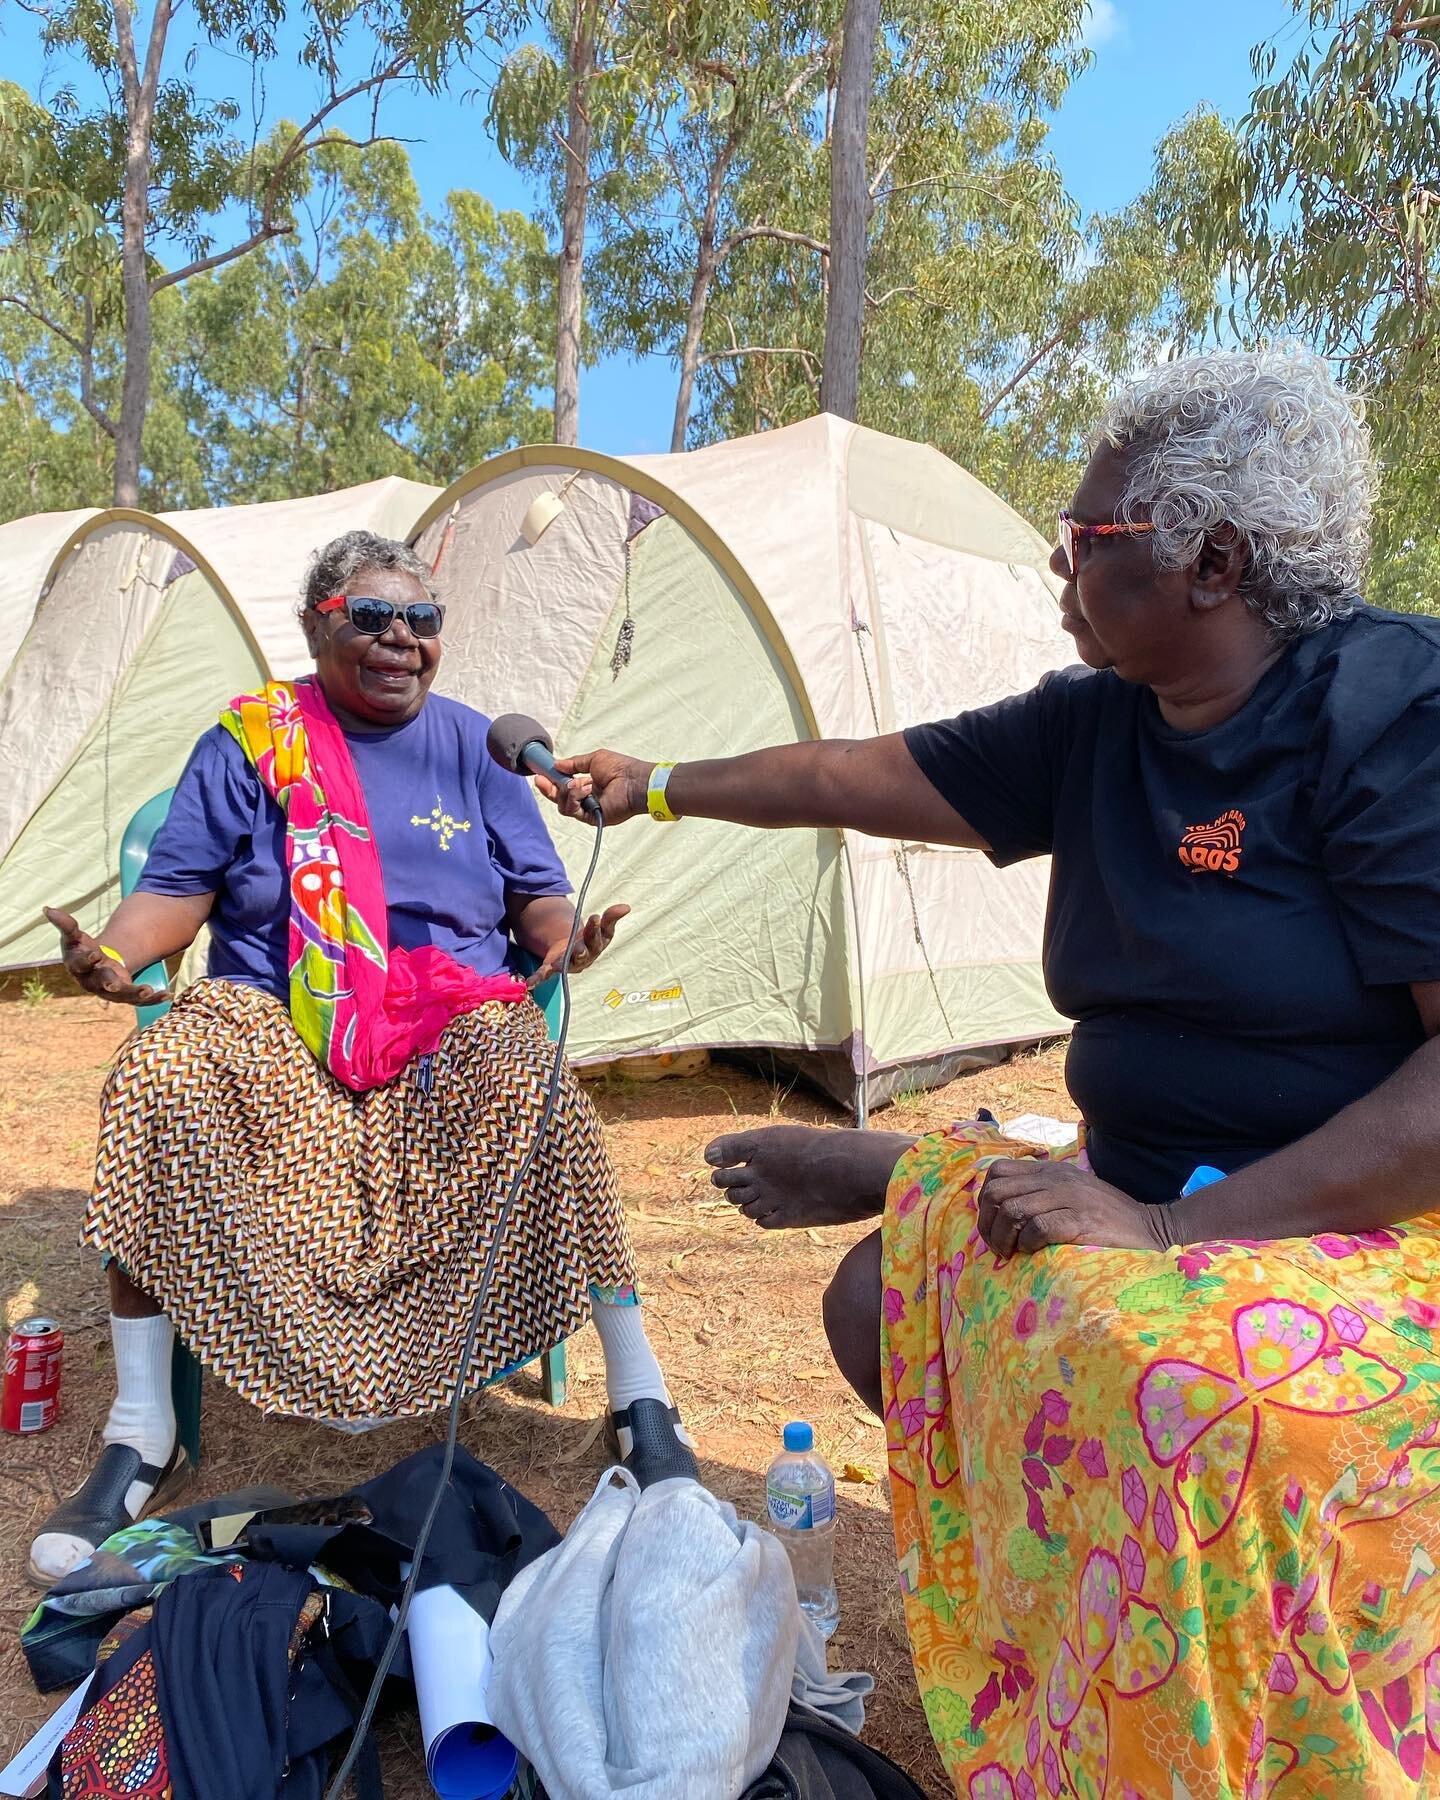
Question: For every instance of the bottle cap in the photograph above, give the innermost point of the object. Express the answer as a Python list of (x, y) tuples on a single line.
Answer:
[(799, 1435)]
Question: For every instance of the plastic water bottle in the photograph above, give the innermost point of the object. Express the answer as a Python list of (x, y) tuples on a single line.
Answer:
[(800, 1498)]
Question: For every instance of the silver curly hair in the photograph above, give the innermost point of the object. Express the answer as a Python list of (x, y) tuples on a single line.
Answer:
[(1264, 441), (333, 569)]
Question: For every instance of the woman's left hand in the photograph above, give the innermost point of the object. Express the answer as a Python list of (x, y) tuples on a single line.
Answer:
[(1027, 1205), (589, 945)]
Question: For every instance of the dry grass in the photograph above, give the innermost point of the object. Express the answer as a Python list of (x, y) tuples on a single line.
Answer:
[(734, 1313)]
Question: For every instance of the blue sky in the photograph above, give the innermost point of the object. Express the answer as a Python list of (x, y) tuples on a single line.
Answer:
[(1155, 61)]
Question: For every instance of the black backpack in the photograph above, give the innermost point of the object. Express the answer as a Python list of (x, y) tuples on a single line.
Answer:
[(819, 1761)]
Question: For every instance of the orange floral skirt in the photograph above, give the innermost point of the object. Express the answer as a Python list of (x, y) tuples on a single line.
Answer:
[(1168, 1524)]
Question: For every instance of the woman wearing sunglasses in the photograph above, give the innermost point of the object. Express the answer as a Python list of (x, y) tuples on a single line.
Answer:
[(1164, 1408), (301, 1163)]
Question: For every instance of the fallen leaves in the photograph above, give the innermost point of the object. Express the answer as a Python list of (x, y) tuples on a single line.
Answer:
[(585, 1445)]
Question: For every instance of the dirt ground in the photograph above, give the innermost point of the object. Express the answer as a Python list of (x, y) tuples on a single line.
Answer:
[(734, 1314)]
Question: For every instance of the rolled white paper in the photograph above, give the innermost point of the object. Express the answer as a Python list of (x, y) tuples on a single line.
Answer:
[(466, 1758)]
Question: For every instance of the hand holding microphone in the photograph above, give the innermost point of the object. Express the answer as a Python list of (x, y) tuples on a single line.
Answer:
[(617, 785), (523, 745), (602, 786)]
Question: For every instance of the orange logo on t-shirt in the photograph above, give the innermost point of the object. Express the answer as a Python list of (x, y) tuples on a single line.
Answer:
[(1215, 847)]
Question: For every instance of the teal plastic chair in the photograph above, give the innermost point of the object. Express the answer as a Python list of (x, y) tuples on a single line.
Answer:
[(185, 1368)]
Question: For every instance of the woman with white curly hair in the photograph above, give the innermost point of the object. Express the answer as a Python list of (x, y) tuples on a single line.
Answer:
[(1138, 1553)]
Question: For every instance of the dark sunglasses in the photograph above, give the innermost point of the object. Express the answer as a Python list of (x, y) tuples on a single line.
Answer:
[(375, 617)]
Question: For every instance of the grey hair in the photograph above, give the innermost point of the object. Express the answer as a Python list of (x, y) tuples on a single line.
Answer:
[(1264, 441), (335, 567)]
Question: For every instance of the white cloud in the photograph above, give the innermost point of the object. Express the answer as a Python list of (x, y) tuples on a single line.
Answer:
[(1102, 24)]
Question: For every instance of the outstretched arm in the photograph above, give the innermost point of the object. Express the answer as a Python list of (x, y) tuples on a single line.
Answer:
[(873, 785), (143, 929)]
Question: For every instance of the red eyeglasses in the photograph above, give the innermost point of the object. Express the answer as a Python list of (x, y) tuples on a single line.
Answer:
[(1073, 533)]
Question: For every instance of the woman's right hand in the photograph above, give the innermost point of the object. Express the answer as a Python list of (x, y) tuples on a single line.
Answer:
[(621, 785), (96, 972)]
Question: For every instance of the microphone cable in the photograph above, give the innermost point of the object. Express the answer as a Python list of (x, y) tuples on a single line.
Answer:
[(467, 1354)]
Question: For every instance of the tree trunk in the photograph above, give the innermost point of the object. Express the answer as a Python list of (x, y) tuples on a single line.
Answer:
[(706, 263), (569, 288), (849, 212), (140, 90), (690, 347)]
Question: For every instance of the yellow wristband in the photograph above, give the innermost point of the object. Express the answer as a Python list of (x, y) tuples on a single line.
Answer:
[(114, 955), (655, 802)]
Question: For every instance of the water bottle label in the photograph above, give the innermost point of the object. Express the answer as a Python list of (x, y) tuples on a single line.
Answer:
[(791, 1512), (800, 1512)]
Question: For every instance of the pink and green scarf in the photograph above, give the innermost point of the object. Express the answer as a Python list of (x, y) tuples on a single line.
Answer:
[(363, 1009)]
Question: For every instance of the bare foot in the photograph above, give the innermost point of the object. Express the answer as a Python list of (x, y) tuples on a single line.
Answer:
[(784, 1176)]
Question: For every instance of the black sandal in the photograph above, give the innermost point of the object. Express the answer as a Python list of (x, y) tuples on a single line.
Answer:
[(656, 1451), (96, 1510)]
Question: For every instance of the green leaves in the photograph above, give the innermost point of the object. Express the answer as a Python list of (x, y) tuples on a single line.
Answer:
[(385, 342), (527, 101), (392, 343), (202, 193), (996, 316), (1156, 1293), (1326, 219)]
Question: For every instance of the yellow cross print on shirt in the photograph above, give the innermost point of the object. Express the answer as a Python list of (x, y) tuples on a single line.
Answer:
[(440, 820)]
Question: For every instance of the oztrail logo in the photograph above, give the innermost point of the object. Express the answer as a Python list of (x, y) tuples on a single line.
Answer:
[(673, 995)]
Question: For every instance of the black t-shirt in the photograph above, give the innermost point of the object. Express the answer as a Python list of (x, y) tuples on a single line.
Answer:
[(1236, 914)]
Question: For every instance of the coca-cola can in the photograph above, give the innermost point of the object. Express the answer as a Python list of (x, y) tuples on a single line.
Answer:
[(34, 1354)]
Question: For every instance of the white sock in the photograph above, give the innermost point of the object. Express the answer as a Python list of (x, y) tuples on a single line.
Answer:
[(631, 1369), (143, 1415)]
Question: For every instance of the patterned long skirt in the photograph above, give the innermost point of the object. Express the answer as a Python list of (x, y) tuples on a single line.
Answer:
[(1168, 1525), (319, 1249)]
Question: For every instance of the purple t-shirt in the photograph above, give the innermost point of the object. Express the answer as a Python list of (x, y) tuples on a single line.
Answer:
[(457, 835)]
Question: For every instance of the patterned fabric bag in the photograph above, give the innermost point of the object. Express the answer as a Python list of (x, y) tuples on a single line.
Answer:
[(229, 1636)]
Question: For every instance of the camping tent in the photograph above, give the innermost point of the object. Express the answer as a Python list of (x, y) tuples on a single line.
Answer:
[(823, 580), (819, 581), (116, 678), (146, 626)]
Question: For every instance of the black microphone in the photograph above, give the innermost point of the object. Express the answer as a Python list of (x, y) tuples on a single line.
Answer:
[(525, 747)]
